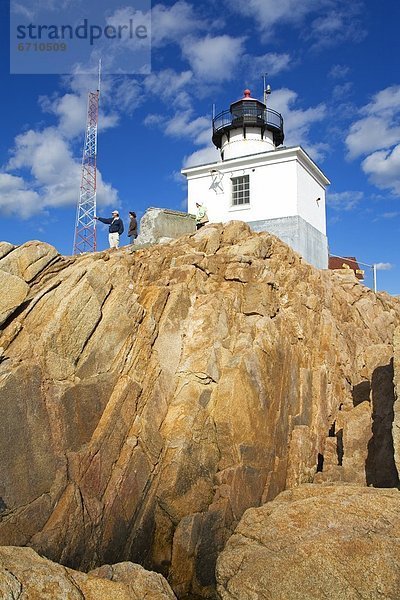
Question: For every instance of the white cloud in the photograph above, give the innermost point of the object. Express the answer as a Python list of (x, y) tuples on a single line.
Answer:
[(19, 9), (384, 266), (126, 96), (344, 200), (71, 111), (48, 4), (184, 124), (378, 128), (45, 153), (169, 85), (318, 150), (271, 63), (43, 171), (153, 119), (126, 54), (70, 108), (342, 91), (202, 157), (376, 135), (54, 174), (391, 215), (16, 198), (383, 169), (268, 13), (44, 167), (371, 133), (339, 71), (119, 94), (324, 23), (297, 121), (172, 23), (30, 8), (339, 25), (177, 177), (213, 58), (386, 101)]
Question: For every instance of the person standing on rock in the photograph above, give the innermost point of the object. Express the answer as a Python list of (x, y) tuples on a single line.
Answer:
[(201, 216), (133, 228), (115, 230)]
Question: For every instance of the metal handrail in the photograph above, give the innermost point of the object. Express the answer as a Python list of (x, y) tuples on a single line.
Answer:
[(358, 262), (267, 117)]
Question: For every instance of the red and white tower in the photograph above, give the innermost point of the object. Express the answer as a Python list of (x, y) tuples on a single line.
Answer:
[(85, 228)]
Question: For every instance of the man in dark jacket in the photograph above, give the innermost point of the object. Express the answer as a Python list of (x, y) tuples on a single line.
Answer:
[(132, 232), (115, 230)]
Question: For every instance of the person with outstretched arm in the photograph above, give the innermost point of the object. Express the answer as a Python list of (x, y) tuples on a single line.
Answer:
[(116, 228)]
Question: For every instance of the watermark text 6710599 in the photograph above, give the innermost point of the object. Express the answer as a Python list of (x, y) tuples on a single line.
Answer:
[(42, 47), (55, 39)]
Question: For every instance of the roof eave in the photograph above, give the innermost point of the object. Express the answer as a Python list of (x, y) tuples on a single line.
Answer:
[(285, 150)]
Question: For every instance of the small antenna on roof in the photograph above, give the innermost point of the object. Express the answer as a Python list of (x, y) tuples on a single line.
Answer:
[(267, 88)]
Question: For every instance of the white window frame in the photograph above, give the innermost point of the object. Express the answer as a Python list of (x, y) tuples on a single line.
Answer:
[(240, 195)]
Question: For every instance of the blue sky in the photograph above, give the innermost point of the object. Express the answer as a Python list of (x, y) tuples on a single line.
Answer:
[(334, 70)]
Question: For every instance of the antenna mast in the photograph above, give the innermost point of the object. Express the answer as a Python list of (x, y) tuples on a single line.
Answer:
[(85, 228), (267, 88)]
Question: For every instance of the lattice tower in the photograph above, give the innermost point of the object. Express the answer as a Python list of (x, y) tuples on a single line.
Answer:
[(85, 228)]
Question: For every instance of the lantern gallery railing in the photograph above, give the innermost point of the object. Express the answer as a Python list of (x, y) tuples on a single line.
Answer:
[(248, 116)]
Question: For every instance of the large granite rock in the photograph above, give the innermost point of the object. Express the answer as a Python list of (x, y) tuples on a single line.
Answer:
[(27, 261), (18, 267), (150, 397), (25, 574), (162, 224), (13, 293), (316, 542)]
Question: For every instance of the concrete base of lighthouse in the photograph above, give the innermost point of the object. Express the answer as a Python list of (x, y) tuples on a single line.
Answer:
[(299, 235)]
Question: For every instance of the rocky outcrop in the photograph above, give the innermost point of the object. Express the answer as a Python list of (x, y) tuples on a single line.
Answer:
[(18, 266), (315, 542), (159, 225), (396, 416), (25, 574), (150, 396)]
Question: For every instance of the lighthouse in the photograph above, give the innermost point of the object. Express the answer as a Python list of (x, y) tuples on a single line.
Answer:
[(271, 187)]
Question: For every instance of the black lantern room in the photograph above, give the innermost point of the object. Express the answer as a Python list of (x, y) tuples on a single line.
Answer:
[(245, 113)]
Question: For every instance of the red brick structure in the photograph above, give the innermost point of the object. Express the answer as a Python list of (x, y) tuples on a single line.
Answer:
[(346, 262)]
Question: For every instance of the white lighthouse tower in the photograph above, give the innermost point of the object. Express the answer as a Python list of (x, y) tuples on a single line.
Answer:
[(271, 187)]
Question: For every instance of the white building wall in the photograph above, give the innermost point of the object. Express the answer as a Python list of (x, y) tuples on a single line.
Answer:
[(272, 192), (283, 184), (308, 191)]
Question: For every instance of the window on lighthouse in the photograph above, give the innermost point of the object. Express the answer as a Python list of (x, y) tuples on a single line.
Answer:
[(241, 190)]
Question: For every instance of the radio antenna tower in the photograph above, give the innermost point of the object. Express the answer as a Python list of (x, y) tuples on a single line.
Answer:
[(85, 228)]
